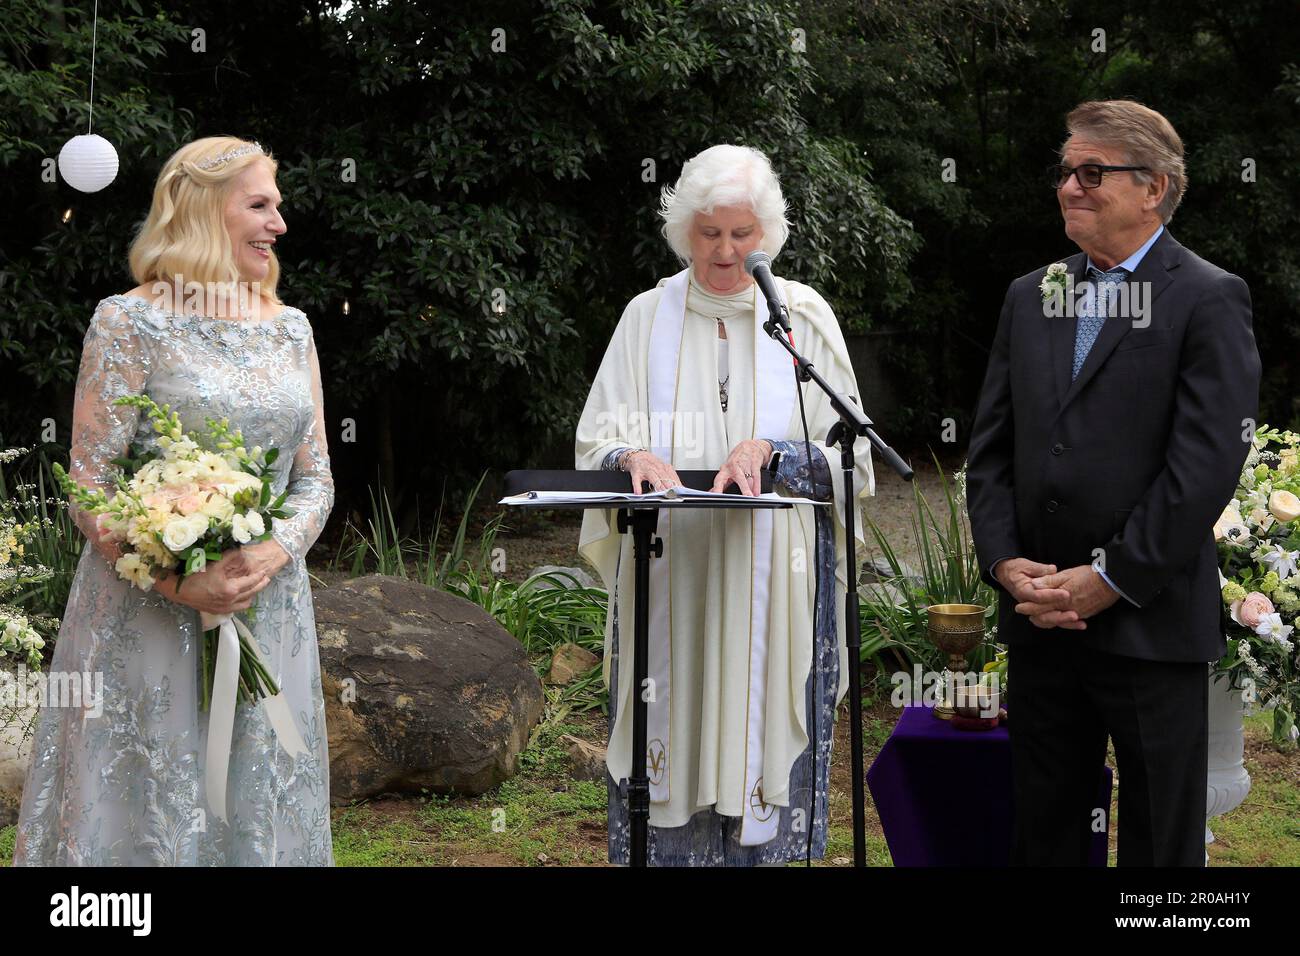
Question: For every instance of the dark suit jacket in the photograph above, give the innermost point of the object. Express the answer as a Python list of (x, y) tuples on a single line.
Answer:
[(1137, 456)]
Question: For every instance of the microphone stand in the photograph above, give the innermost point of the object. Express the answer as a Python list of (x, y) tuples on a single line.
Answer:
[(853, 422)]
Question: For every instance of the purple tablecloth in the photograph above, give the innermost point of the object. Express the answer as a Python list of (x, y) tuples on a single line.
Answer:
[(944, 795)]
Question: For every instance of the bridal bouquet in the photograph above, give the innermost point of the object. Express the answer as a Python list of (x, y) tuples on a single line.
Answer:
[(1258, 538), (178, 510)]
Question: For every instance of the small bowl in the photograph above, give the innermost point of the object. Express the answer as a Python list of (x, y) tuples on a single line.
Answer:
[(979, 700)]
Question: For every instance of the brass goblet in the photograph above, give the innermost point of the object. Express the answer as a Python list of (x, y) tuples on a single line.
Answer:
[(956, 629)]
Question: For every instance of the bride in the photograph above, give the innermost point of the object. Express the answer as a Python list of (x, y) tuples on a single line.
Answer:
[(124, 784)]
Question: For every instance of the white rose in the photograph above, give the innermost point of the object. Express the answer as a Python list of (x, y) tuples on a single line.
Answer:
[(239, 529), (180, 533), (255, 523), (1284, 505)]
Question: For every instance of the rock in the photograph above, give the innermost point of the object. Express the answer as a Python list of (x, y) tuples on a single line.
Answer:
[(877, 582), (569, 662), (15, 756), (588, 760), (878, 569), (423, 690), (563, 575), (878, 592)]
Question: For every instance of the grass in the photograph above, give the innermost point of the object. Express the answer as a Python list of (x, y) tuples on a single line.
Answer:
[(1265, 829), (540, 816), (543, 817), (894, 619)]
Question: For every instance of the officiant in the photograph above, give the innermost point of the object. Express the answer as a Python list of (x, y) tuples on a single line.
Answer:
[(746, 654)]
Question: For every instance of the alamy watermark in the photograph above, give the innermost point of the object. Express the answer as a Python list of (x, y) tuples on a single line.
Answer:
[(1125, 300), (681, 431), (976, 693), (179, 297), (83, 690)]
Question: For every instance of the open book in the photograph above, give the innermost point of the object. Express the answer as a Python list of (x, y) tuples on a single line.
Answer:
[(678, 493)]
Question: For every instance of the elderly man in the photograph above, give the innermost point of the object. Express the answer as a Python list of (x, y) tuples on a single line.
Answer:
[(1112, 426)]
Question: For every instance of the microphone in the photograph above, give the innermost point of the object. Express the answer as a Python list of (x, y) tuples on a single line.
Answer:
[(759, 265)]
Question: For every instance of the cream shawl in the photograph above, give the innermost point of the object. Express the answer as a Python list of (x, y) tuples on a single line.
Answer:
[(731, 605)]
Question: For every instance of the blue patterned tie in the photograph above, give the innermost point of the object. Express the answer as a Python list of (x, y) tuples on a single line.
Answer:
[(1092, 313)]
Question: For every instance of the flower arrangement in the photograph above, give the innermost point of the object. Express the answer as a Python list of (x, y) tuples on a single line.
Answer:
[(1055, 281), (23, 634), (22, 637), (1258, 537), (178, 510)]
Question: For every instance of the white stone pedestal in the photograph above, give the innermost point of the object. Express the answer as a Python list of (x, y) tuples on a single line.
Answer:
[(1228, 783)]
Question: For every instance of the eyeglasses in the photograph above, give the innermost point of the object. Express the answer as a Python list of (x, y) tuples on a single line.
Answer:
[(1088, 174)]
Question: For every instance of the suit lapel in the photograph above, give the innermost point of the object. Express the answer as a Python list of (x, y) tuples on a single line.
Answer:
[(1154, 269), (1062, 330)]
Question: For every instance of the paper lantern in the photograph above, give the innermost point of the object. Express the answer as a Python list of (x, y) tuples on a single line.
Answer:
[(88, 162)]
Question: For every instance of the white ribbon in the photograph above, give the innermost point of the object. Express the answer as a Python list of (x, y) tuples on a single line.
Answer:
[(225, 695)]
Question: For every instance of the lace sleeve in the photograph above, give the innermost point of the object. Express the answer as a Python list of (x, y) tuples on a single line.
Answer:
[(610, 462), (808, 479), (115, 362), (311, 486)]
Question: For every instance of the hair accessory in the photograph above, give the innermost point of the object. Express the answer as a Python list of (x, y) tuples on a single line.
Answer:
[(228, 156)]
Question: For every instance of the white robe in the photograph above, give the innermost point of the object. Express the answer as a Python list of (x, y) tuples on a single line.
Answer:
[(727, 712)]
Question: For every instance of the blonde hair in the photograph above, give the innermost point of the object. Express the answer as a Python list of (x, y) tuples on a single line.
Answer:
[(1144, 136), (184, 237)]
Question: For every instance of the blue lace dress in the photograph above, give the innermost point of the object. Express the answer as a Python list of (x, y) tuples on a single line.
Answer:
[(125, 786)]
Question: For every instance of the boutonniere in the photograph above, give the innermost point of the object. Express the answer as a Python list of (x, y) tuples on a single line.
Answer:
[(1055, 281)]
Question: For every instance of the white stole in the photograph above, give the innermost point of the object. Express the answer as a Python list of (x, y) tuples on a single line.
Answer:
[(775, 391)]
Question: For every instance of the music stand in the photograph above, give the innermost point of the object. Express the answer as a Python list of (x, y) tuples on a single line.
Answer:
[(640, 516)]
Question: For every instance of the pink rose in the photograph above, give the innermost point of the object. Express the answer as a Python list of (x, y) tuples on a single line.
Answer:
[(157, 500), (101, 525), (1249, 611), (176, 492), (189, 504)]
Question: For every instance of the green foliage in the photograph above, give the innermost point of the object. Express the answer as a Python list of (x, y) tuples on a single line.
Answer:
[(542, 612), (54, 542), (514, 162), (530, 161), (894, 619), (381, 549), (52, 273)]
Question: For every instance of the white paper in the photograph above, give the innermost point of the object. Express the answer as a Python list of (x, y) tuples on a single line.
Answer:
[(678, 493)]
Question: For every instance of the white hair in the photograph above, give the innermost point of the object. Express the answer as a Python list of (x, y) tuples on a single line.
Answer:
[(724, 176)]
